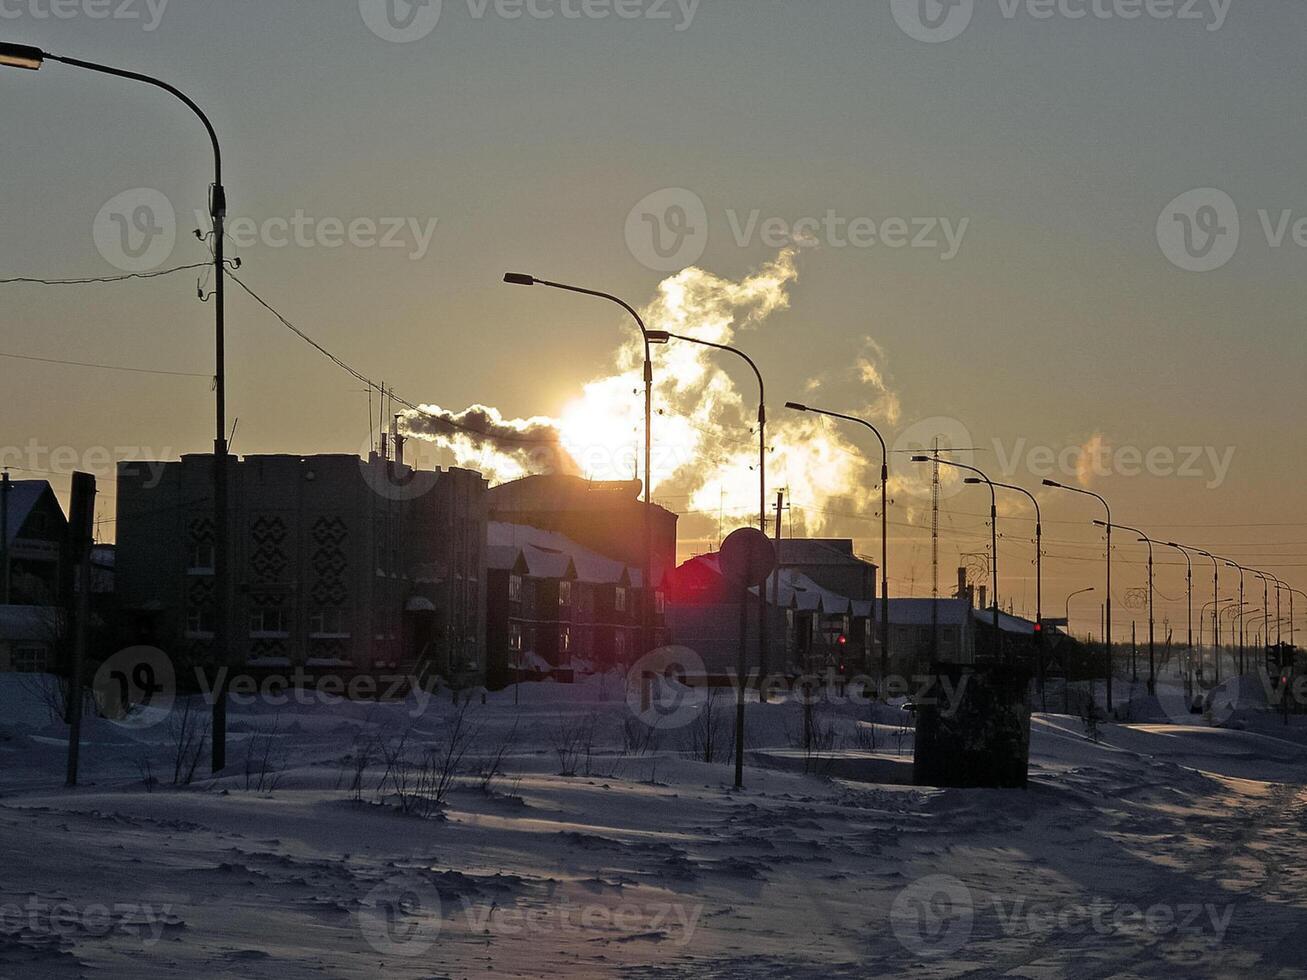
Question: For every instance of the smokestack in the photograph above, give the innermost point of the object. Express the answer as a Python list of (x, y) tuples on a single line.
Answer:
[(962, 583), (385, 450), (397, 439)]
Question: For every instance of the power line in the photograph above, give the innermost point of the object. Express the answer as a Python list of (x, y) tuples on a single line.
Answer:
[(103, 279), (106, 367)]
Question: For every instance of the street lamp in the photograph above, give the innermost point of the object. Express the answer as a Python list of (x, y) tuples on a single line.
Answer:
[(1242, 660), (1216, 591), (884, 529), (1291, 592), (24, 56), (1266, 606), (1068, 605), (1202, 617), (1039, 580), (522, 279), (1107, 631), (1152, 665), (993, 534), (662, 337), (1189, 607)]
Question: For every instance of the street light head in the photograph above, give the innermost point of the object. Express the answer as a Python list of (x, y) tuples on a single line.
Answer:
[(971, 479), (658, 336), (796, 406), (21, 56), (1142, 540), (519, 279), (1101, 523), (1053, 483), (921, 459)]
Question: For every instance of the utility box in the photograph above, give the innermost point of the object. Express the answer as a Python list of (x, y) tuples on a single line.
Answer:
[(974, 728)]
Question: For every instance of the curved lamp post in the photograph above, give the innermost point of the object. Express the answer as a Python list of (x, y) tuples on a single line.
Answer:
[(1152, 664), (1067, 610), (522, 279), (1107, 637), (1216, 591), (24, 56), (993, 535), (1189, 604), (1242, 660), (662, 337), (1039, 579), (884, 529)]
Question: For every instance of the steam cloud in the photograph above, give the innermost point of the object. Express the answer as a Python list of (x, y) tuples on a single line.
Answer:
[(705, 450)]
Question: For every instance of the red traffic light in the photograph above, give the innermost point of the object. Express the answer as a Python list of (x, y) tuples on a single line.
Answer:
[(842, 639)]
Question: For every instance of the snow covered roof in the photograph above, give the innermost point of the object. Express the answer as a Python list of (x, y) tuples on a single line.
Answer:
[(24, 495), (1006, 623), (797, 590), (549, 554)]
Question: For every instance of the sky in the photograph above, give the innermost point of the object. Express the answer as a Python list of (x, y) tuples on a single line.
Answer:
[(1019, 178)]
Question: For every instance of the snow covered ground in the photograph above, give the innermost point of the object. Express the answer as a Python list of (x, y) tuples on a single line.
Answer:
[(1162, 849)]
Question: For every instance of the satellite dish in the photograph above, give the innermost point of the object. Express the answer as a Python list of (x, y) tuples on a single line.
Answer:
[(748, 556)]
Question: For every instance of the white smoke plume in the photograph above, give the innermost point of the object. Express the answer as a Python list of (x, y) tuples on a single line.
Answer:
[(705, 449)]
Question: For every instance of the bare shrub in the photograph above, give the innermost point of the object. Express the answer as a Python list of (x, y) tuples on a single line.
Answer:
[(573, 739), (265, 759), (421, 777), (638, 738), (710, 737), (188, 734), (492, 766)]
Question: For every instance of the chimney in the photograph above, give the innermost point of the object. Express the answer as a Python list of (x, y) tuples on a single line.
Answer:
[(982, 597), (962, 583), (397, 440), (385, 452)]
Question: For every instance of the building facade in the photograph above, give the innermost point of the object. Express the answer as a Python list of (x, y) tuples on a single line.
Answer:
[(35, 577), (557, 609), (336, 561)]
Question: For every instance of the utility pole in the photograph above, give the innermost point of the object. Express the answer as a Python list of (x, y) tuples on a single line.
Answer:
[(775, 590), (4, 539), (80, 530)]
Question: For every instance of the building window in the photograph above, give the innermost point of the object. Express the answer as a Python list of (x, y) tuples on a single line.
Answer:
[(200, 558), (619, 599), (327, 621), (199, 621), (565, 593), (267, 621), (515, 637), (565, 639), (515, 588), (30, 659)]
